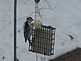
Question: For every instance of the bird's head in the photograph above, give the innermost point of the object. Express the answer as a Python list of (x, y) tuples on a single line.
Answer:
[(29, 19)]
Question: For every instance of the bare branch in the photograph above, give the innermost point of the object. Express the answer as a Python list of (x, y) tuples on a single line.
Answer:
[(21, 18), (49, 6)]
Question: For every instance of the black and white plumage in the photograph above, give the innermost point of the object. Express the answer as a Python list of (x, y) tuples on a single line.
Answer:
[(28, 29)]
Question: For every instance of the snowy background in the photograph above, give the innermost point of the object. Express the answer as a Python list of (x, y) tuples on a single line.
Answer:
[(6, 30), (66, 18)]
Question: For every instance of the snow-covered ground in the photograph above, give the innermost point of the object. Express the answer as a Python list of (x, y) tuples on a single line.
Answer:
[(65, 18), (6, 30)]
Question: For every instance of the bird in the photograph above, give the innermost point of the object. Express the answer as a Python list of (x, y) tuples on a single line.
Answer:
[(28, 29)]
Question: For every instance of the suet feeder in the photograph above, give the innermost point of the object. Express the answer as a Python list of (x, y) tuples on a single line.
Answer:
[(43, 37), (43, 40)]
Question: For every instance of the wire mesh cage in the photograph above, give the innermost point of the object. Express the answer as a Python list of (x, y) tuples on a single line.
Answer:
[(43, 40)]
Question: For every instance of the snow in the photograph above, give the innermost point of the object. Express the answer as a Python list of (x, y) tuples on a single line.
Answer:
[(6, 30), (65, 18)]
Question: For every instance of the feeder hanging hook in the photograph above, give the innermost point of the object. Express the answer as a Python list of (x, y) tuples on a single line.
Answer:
[(37, 1)]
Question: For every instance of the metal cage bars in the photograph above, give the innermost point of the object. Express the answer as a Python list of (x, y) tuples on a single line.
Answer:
[(43, 40)]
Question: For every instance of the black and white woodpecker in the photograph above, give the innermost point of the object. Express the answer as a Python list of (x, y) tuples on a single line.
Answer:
[(28, 29)]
